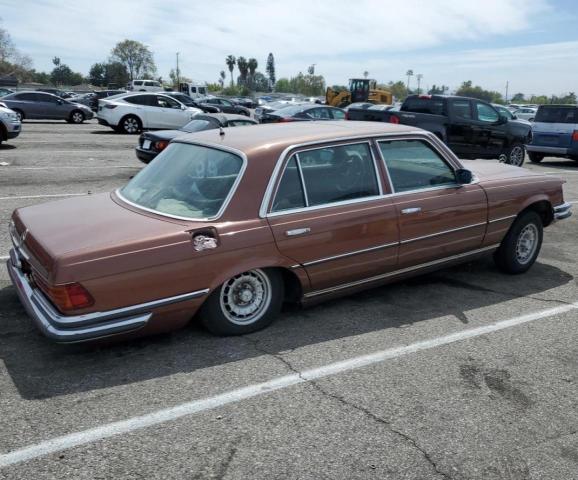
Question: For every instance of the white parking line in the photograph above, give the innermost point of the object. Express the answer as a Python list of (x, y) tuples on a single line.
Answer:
[(45, 196), (166, 415), (3, 258)]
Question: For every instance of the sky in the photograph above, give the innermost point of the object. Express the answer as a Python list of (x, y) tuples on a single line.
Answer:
[(531, 44)]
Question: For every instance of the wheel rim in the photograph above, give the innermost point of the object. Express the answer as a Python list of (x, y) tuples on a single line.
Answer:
[(131, 125), (527, 243), (517, 156), (19, 116), (246, 297), (77, 117)]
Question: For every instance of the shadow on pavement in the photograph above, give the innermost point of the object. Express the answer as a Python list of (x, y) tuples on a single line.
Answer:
[(41, 369)]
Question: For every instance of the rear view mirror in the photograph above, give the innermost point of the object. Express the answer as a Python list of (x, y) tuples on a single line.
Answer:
[(463, 176)]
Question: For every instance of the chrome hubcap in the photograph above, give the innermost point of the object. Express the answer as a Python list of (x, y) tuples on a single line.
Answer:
[(517, 156), (131, 125), (77, 117), (245, 298), (527, 243)]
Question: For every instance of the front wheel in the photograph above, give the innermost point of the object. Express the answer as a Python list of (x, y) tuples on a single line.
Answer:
[(245, 303), (521, 246), (535, 157), (77, 117), (515, 155)]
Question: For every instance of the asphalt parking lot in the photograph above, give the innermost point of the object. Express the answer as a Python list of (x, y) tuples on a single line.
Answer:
[(463, 374)]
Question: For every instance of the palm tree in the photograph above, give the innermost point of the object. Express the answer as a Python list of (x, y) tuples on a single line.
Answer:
[(222, 78), (231, 61), (243, 69), (409, 74), (252, 65)]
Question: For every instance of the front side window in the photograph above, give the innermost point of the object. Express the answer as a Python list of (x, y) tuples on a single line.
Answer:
[(167, 102), (319, 114), (138, 83), (413, 165), (189, 181), (338, 114), (486, 113)]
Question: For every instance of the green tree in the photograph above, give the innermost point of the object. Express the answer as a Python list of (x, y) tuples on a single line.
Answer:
[(175, 80), (467, 89), (270, 69), (260, 82), (136, 58), (222, 77), (252, 64), (116, 74), (97, 75), (282, 85), (518, 98), (63, 75), (438, 90), (243, 67), (231, 62)]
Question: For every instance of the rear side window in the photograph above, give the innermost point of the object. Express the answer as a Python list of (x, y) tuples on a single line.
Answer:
[(413, 165), (137, 83), (547, 114), (149, 100), (29, 97), (424, 105), (290, 193), (461, 108)]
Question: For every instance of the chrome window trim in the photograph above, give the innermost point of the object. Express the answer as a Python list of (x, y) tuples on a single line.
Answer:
[(228, 198), (324, 206), (263, 210), (399, 272), (451, 230), (435, 150), (349, 254)]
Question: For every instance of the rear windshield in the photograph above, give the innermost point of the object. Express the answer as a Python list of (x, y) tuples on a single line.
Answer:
[(551, 114), (433, 106), (198, 126), (187, 181)]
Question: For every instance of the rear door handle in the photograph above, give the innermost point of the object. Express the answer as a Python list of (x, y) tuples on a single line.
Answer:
[(297, 231), (407, 211)]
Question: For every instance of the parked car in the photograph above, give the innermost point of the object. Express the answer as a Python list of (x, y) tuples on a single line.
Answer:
[(10, 124), (228, 227), (192, 90), (5, 91), (91, 99), (509, 114), (361, 105), (271, 107), (55, 91), (144, 86), (302, 113), (46, 106), (150, 144), (554, 133), (227, 106), (133, 112), (246, 102), (190, 102), (470, 127), (526, 113)]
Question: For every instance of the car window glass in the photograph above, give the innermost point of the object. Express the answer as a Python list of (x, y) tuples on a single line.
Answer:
[(167, 102), (486, 113), (338, 114), (142, 100), (413, 165), (335, 174), (138, 83), (461, 108), (30, 97), (319, 113), (290, 190), (239, 123), (226, 103), (48, 98)]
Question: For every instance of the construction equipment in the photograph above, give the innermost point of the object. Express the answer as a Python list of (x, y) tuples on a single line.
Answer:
[(360, 90)]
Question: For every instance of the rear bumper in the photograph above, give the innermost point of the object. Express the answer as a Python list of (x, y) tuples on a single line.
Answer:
[(82, 328), (562, 211), (145, 156)]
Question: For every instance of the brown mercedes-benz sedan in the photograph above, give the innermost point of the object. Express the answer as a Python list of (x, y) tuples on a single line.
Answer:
[(228, 225)]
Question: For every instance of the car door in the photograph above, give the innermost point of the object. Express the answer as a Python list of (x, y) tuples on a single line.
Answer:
[(170, 112), (490, 132), (329, 216), (460, 130), (438, 217), (27, 102)]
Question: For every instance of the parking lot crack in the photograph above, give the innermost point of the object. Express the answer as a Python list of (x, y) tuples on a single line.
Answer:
[(365, 411)]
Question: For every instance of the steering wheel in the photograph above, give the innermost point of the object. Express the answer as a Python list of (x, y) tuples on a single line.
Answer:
[(350, 172)]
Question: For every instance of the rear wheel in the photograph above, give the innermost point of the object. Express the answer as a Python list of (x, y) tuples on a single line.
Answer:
[(521, 246), (20, 114), (515, 155), (245, 303), (535, 157), (130, 124)]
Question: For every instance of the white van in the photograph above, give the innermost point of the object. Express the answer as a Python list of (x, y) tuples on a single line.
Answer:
[(192, 90), (144, 86)]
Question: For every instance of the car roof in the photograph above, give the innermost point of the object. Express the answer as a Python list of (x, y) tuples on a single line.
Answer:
[(279, 136)]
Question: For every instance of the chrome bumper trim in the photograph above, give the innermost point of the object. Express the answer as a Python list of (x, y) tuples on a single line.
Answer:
[(90, 326), (562, 211)]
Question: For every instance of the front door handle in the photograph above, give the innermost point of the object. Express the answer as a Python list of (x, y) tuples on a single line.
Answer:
[(407, 211), (297, 231)]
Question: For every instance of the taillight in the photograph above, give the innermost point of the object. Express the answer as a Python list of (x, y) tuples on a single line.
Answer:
[(394, 119), (575, 136), (161, 145), (68, 297)]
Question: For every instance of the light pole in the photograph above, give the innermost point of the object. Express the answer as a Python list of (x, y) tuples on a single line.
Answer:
[(419, 76), (507, 85), (177, 72)]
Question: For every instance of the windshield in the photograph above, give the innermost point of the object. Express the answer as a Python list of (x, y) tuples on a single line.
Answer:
[(188, 181), (197, 126), (547, 114), (184, 99)]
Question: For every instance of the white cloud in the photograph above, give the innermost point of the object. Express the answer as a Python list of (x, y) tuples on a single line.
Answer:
[(342, 37)]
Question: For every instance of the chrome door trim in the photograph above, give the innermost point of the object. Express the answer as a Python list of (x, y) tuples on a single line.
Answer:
[(349, 254), (297, 231), (437, 234), (501, 219), (400, 272), (408, 211)]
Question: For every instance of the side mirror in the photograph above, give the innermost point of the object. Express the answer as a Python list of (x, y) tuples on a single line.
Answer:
[(463, 176), (183, 107), (59, 101)]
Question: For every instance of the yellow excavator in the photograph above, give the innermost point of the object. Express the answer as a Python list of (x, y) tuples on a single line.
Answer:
[(360, 90)]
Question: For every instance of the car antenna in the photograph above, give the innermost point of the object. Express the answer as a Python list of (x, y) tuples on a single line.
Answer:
[(221, 131)]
